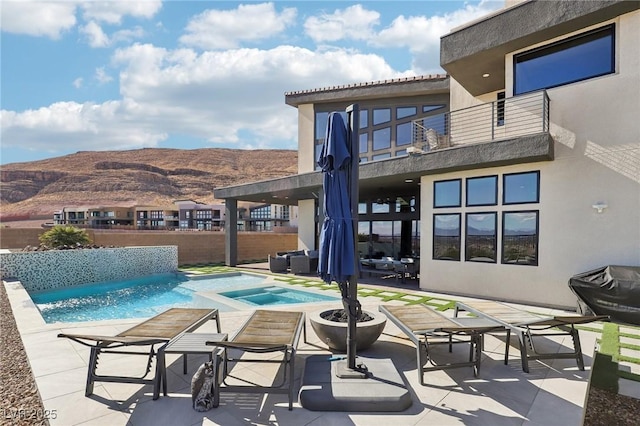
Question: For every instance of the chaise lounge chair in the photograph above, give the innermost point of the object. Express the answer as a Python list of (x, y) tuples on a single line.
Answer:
[(159, 330), (426, 327), (264, 332), (527, 325)]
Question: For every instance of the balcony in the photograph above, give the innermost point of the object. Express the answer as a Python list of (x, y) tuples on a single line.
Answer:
[(509, 118)]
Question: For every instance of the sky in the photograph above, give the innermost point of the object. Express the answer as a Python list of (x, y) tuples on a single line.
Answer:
[(119, 75)]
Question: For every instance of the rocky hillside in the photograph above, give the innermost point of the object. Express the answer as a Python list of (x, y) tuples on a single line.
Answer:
[(124, 178)]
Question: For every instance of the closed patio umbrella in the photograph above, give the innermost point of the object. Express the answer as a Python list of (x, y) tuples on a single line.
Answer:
[(337, 261)]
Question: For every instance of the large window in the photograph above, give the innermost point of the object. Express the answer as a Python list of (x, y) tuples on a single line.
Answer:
[(482, 191), (481, 237), (403, 134), (577, 58), (446, 236), (520, 237), (447, 193), (385, 129), (519, 188), (518, 230), (382, 138)]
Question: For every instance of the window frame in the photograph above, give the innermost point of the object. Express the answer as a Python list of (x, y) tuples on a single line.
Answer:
[(435, 183), (495, 236), (537, 238), (466, 198), (504, 188), (434, 236)]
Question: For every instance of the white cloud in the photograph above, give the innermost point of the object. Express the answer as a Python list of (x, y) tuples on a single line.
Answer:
[(77, 83), (94, 34), (354, 22), (37, 18), (112, 12), (125, 36), (422, 34), (52, 19), (97, 38), (230, 98), (227, 29), (102, 76), (68, 126)]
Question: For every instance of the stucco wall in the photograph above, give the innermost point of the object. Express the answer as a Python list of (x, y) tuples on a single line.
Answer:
[(307, 227), (597, 159), (306, 136), (193, 247), (62, 268)]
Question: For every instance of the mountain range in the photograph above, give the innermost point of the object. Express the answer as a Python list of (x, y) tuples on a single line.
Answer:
[(149, 176)]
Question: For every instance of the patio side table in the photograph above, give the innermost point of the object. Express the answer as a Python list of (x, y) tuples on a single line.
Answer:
[(194, 343)]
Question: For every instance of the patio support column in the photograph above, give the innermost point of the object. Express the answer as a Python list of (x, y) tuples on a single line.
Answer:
[(231, 232)]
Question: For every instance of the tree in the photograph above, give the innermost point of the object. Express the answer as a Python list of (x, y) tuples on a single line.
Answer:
[(60, 236)]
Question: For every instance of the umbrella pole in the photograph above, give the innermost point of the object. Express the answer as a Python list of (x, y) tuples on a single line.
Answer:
[(353, 118)]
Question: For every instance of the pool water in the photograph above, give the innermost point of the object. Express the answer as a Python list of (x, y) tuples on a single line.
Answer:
[(148, 296), (274, 295)]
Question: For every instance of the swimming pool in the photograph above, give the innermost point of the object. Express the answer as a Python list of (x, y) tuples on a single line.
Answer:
[(148, 296)]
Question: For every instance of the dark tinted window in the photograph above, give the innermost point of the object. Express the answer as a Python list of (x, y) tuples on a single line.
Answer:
[(577, 58)]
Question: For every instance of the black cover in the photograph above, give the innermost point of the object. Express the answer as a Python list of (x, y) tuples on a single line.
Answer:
[(610, 290)]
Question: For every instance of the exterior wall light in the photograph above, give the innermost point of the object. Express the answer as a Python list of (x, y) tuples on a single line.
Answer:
[(600, 206)]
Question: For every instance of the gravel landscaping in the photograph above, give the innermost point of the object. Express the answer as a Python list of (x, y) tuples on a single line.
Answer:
[(21, 402)]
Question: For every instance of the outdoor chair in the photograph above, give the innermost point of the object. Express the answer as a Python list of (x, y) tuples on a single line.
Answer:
[(526, 325), (158, 330), (301, 264), (264, 332), (426, 327), (277, 264), (407, 268)]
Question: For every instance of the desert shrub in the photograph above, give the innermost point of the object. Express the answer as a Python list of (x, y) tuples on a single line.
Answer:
[(60, 236)]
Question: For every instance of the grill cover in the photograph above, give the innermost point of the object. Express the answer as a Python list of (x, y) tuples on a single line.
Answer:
[(610, 290)]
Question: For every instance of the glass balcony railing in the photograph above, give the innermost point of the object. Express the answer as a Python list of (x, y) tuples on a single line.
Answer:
[(503, 119)]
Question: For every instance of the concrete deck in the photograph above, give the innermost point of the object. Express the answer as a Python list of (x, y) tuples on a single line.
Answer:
[(552, 393)]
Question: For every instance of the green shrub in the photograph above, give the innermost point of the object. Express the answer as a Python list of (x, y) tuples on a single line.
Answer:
[(61, 235)]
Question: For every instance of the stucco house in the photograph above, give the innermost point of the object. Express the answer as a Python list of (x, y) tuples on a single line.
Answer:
[(514, 171)]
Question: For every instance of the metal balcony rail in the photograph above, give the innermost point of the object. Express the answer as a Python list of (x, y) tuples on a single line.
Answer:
[(502, 119)]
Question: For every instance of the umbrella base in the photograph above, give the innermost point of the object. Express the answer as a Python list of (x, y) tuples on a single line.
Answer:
[(344, 372), (381, 390)]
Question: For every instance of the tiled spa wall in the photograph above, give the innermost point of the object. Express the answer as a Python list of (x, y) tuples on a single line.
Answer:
[(46, 270)]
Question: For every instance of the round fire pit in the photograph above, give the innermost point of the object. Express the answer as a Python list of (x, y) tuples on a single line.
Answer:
[(331, 327)]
